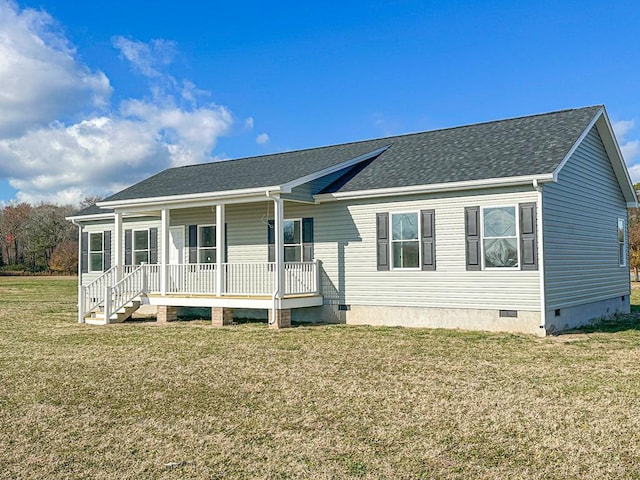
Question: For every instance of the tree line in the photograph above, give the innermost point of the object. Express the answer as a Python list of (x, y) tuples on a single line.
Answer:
[(38, 238)]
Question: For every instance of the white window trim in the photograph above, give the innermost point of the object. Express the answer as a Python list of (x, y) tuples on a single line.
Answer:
[(133, 245), (517, 216), (392, 241), (200, 247), (622, 262), (95, 251), (284, 245)]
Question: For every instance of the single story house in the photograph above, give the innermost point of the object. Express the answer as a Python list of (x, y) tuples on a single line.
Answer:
[(512, 225)]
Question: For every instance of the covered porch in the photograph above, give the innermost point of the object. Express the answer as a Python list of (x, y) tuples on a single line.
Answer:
[(181, 277)]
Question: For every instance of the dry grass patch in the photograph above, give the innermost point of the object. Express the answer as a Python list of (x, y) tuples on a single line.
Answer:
[(310, 402)]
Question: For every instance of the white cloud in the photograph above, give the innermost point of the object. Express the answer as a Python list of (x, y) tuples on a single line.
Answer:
[(262, 139), (630, 148), (248, 123), (146, 58), (66, 147), (40, 77)]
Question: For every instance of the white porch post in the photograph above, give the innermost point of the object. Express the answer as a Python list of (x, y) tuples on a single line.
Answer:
[(220, 246), (81, 295), (279, 246), (164, 249), (117, 245)]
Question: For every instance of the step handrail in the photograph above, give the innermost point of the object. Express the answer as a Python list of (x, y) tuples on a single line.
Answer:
[(124, 291), (92, 294)]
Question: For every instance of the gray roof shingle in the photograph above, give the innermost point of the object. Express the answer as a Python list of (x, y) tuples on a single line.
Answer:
[(521, 146)]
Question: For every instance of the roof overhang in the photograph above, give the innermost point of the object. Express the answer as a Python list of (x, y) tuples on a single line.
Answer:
[(437, 187)]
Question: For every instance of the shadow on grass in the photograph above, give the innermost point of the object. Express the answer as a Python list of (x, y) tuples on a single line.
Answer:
[(617, 323)]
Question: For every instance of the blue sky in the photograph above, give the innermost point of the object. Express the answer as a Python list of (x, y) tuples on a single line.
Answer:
[(97, 95)]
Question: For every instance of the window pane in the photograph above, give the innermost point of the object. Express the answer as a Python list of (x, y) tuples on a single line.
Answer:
[(208, 255), (291, 230), (139, 257), (292, 254), (621, 231), (95, 242), (141, 240), (500, 252), (96, 262), (207, 236), (405, 226), (406, 255), (500, 222)]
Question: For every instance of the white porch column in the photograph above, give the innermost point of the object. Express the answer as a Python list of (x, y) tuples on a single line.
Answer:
[(117, 246), (164, 249), (279, 245), (220, 244)]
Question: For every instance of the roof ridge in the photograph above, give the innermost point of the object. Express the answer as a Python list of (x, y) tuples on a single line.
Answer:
[(391, 137)]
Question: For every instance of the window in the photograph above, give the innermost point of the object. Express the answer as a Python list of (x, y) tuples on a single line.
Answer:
[(96, 252), (622, 242), (500, 237), (207, 244), (140, 246), (292, 240), (405, 245)]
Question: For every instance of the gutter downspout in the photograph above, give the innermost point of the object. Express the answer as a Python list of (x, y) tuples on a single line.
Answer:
[(540, 226)]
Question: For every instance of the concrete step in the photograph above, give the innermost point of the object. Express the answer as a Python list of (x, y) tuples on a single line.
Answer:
[(96, 317)]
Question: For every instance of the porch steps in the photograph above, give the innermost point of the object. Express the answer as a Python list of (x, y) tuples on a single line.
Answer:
[(96, 317)]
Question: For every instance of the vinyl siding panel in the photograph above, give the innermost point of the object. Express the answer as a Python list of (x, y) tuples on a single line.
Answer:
[(581, 212), (345, 242), (134, 224)]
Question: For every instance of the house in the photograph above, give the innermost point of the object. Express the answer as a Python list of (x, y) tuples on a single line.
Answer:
[(512, 225)]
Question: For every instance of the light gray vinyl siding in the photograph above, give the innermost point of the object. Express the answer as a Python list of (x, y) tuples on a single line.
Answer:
[(580, 230), (345, 242), (133, 223)]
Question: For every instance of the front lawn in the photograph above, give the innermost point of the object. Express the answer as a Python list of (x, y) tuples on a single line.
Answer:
[(187, 400)]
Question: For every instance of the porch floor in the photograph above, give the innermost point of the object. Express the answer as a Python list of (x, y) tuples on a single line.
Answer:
[(231, 301)]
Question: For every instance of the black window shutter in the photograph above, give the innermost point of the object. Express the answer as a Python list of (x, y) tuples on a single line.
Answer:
[(428, 239), (107, 250), (84, 256), (271, 241), (307, 239), (193, 244), (528, 237), (382, 240), (472, 235), (127, 247), (153, 245)]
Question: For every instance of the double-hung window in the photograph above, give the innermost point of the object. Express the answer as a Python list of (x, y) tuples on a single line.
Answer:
[(405, 243), (96, 252), (500, 237), (140, 246), (206, 244), (622, 242), (292, 230)]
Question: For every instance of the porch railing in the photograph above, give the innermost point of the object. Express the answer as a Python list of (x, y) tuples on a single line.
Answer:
[(250, 279), (92, 294)]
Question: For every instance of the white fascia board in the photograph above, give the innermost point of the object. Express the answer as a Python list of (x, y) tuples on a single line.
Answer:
[(576, 144), (286, 187), (179, 200), (437, 187), (90, 218)]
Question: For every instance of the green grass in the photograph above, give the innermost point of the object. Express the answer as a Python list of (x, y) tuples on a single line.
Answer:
[(122, 401)]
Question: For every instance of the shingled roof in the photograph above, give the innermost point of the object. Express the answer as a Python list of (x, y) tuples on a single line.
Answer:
[(523, 146)]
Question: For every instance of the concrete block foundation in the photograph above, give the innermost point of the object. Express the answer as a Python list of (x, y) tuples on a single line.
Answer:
[(167, 314), (282, 318)]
